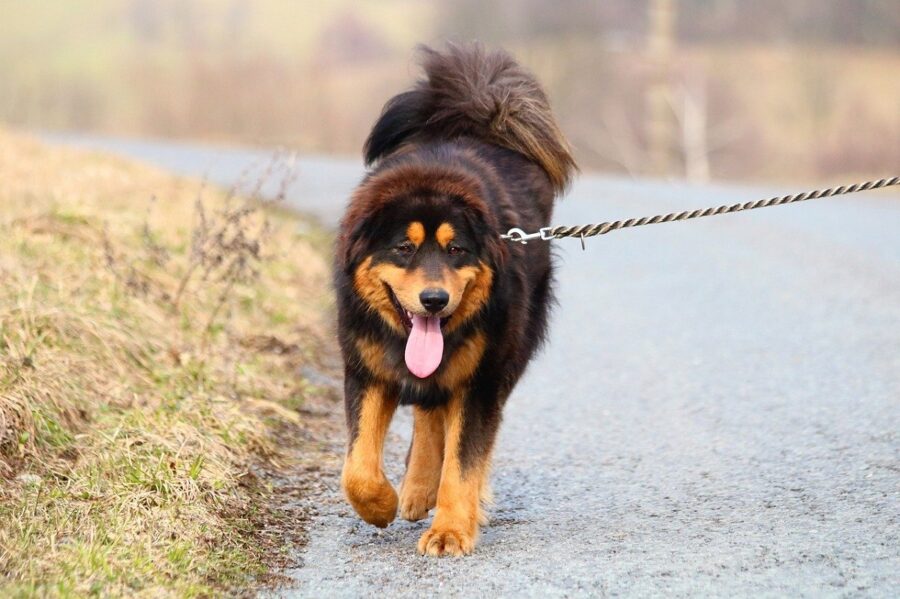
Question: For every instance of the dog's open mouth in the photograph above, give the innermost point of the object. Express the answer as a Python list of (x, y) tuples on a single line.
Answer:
[(425, 344), (404, 314), (406, 317)]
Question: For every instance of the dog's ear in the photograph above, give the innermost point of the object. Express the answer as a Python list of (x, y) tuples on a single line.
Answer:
[(402, 117), (496, 249), (485, 229), (352, 245)]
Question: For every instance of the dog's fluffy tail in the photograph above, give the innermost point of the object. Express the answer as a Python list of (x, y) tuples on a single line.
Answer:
[(468, 91)]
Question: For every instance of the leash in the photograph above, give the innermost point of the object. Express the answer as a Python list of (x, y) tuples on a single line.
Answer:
[(550, 233)]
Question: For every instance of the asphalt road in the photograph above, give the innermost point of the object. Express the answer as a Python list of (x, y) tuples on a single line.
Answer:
[(717, 412)]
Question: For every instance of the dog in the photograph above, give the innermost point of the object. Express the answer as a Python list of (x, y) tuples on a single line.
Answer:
[(435, 310)]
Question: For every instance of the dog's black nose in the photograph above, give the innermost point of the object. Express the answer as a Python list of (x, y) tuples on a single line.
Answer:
[(434, 300)]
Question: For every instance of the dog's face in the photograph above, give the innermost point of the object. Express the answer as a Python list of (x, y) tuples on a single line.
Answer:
[(426, 261)]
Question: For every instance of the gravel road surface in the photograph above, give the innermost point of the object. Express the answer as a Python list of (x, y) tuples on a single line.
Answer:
[(717, 412)]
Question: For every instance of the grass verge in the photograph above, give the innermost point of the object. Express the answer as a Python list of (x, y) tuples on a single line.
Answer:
[(150, 351)]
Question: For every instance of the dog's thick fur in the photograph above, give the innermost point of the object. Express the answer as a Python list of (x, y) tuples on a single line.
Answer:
[(469, 152)]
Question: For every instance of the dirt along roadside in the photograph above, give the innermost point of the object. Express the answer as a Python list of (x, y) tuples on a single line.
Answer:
[(167, 377)]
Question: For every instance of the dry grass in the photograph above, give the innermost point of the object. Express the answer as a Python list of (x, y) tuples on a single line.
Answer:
[(149, 352)]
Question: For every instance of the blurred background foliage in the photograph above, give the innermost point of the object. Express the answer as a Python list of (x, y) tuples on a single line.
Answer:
[(724, 89)]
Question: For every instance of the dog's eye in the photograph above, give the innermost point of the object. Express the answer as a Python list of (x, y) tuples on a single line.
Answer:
[(406, 248), (455, 250)]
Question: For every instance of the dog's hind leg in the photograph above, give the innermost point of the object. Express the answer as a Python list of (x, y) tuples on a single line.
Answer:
[(418, 493), (365, 485), (485, 495)]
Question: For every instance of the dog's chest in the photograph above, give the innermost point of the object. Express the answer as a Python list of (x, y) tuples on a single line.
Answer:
[(387, 361)]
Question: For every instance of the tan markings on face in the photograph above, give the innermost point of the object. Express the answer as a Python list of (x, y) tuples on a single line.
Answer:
[(462, 364), (369, 285), (406, 285), (469, 288), (445, 234), (474, 289), (369, 282), (415, 232)]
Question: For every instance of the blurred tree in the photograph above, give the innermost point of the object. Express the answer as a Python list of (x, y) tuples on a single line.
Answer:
[(753, 88), (347, 38), (145, 20), (503, 21), (857, 22), (661, 16)]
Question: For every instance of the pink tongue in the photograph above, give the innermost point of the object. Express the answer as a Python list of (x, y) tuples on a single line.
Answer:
[(425, 346)]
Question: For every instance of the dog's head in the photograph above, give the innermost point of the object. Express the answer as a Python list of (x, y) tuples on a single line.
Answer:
[(423, 261), (421, 251)]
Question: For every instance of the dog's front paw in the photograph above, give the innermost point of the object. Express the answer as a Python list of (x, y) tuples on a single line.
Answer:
[(374, 499), (440, 542)]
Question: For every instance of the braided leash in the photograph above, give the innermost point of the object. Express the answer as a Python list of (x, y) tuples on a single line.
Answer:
[(582, 231)]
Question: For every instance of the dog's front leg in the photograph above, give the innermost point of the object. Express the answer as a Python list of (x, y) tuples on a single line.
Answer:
[(468, 441), (369, 412), (418, 493)]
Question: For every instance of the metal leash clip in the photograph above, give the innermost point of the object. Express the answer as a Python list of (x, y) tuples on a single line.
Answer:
[(517, 234)]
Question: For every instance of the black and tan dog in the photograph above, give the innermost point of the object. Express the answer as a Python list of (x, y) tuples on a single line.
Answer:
[(434, 309)]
